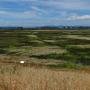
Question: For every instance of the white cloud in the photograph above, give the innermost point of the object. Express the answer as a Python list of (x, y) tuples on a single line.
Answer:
[(2, 12), (76, 17), (40, 10), (18, 15)]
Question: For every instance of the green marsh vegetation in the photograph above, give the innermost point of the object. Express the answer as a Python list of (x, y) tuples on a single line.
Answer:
[(65, 48)]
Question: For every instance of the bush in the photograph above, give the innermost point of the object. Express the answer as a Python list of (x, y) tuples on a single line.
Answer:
[(67, 65), (3, 51), (48, 56), (36, 43), (32, 37)]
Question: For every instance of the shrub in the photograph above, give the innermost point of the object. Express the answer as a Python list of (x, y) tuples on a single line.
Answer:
[(32, 37), (3, 51), (67, 65)]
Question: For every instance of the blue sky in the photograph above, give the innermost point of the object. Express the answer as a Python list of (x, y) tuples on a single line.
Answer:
[(44, 12)]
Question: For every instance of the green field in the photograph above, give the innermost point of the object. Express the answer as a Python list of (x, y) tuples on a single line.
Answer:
[(49, 48)]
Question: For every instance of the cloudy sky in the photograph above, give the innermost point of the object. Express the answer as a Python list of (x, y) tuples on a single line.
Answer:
[(44, 12)]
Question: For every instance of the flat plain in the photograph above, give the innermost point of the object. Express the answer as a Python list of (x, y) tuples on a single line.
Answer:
[(54, 60)]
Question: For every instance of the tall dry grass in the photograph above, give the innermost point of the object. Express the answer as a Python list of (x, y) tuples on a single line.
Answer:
[(26, 78)]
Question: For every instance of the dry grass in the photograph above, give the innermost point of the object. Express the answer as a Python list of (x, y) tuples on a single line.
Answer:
[(77, 37), (46, 50), (82, 46), (26, 78)]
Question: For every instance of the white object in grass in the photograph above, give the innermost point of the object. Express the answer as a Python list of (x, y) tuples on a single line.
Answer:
[(22, 62)]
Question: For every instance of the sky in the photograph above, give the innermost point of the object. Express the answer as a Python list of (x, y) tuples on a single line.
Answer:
[(30, 13)]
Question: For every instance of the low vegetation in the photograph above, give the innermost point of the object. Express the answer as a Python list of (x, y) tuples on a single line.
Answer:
[(64, 47), (19, 77), (53, 60)]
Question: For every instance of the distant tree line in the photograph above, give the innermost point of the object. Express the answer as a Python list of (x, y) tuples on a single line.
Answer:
[(47, 28)]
